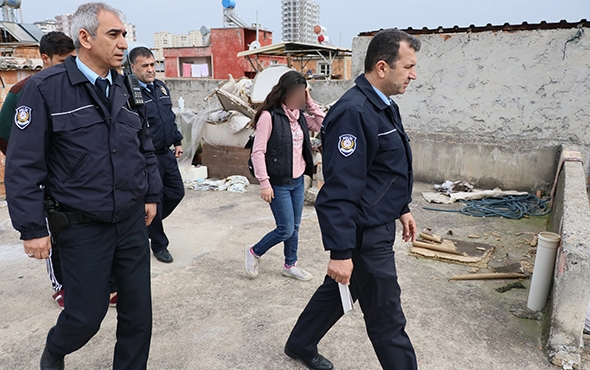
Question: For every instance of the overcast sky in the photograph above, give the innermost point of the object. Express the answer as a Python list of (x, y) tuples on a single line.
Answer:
[(344, 19)]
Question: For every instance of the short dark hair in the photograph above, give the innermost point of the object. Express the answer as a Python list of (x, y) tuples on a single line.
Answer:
[(385, 46), (56, 43), (140, 51)]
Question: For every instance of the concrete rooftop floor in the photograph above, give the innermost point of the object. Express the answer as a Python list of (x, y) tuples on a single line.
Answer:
[(209, 315)]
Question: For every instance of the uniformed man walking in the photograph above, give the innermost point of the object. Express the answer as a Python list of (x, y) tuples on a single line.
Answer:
[(368, 184), (89, 167), (164, 134)]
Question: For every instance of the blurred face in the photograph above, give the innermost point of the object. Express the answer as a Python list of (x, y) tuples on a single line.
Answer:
[(145, 69), (295, 98), (56, 59), (106, 50)]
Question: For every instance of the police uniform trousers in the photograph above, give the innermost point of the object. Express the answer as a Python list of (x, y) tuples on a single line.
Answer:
[(374, 284), (89, 253), (172, 194), (54, 271)]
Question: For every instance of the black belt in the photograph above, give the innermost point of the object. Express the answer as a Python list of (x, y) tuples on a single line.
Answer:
[(75, 217), (163, 151)]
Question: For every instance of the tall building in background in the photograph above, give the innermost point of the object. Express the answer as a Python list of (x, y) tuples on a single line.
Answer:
[(63, 22), (48, 25), (166, 39), (131, 34), (299, 18)]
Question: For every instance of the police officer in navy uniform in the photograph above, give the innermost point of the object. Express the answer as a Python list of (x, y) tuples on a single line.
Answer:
[(368, 184), (164, 133), (81, 156)]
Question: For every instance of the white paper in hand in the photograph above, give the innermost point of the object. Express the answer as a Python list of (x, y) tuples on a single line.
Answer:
[(346, 298)]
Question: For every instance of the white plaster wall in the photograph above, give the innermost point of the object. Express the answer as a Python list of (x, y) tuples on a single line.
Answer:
[(500, 85)]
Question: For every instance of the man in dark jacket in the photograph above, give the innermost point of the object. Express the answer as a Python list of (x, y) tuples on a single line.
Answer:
[(164, 133), (80, 155), (368, 184)]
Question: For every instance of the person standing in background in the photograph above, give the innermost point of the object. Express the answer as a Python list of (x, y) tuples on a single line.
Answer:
[(164, 133), (281, 155)]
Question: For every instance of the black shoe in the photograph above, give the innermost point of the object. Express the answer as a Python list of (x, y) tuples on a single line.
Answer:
[(51, 362), (318, 362), (164, 256)]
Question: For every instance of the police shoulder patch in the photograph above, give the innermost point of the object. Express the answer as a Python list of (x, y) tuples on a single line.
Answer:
[(347, 144), (22, 118)]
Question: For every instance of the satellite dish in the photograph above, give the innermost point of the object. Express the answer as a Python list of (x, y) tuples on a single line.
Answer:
[(204, 30), (228, 4), (254, 45)]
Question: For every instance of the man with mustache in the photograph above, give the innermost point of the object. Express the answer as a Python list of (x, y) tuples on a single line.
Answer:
[(90, 168)]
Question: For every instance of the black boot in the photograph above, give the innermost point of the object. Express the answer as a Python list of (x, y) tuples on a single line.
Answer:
[(318, 362), (51, 362)]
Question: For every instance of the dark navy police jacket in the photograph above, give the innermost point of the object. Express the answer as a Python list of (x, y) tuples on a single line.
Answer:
[(93, 160), (163, 129), (367, 164)]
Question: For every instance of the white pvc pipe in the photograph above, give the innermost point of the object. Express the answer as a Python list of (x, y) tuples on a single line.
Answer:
[(543, 270)]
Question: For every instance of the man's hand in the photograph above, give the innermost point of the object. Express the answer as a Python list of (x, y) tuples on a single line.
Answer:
[(150, 212), (38, 248), (340, 270), (178, 151), (267, 194), (409, 225)]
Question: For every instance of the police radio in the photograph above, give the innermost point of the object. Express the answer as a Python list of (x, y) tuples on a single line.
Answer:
[(132, 83)]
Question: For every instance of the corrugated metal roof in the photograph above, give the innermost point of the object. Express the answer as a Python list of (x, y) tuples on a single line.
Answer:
[(524, 26)]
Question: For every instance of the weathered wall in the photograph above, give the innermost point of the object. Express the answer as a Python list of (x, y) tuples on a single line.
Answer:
[(570, 217), (518, 86), (194, 90)]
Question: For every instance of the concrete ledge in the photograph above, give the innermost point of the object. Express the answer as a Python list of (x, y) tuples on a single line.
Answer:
[(571, 288), (485, 162)]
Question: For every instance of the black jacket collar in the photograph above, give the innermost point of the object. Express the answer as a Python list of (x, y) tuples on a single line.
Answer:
[(365, 86), (76, 76)]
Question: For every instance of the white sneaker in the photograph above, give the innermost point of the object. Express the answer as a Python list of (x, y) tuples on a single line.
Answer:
[(297, 272), (252, 262)]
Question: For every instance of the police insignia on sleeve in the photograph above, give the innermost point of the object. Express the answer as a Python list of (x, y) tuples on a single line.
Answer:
[(22, 117), (347, 144), (163, 90)]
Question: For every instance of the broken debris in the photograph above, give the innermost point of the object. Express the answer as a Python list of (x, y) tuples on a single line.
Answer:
[(507, 287), (234, 184)]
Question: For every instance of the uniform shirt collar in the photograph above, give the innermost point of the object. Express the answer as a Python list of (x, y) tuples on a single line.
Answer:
[(142, 84), (90, 74), (383, 97)]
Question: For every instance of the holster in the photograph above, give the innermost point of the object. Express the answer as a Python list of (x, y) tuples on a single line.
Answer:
[(56, 218)]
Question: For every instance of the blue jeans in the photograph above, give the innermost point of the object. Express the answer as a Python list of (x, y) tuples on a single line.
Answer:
[(286, 207)]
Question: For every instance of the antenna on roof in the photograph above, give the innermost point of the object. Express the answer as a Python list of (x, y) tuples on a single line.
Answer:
[(256, 44)]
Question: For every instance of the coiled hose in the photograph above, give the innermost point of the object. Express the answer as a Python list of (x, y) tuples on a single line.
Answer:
[(513, 207)]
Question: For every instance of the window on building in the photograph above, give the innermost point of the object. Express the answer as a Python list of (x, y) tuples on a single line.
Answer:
[(325, 69)]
